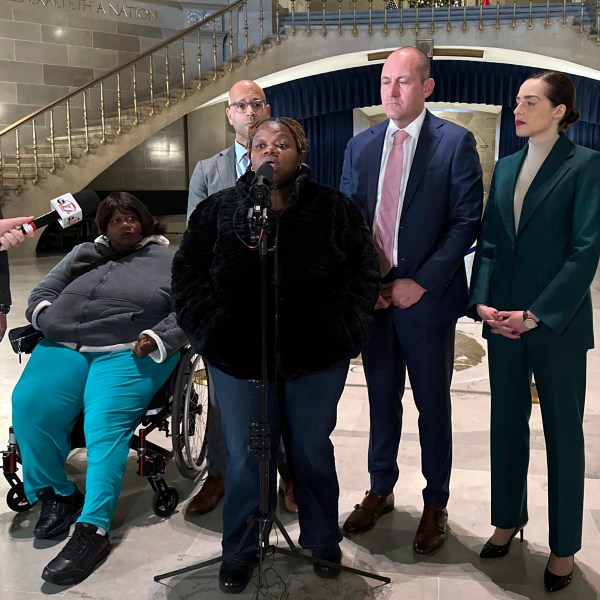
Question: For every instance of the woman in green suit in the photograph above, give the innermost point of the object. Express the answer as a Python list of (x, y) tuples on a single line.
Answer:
[(536, 259)]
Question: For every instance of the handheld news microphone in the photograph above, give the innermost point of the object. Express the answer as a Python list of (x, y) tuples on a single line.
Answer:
[(67, 209), (262, 184)]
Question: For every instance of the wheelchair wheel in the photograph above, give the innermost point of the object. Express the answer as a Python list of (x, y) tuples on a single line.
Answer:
[(165, 503), (17, 500), (190, 414)]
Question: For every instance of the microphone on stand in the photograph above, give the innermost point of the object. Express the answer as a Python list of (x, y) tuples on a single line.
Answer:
[(67, 209), (261, 186), (260, 194)]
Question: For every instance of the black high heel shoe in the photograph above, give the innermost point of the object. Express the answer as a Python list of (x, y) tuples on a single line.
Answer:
[(492, 551), (554, 583)]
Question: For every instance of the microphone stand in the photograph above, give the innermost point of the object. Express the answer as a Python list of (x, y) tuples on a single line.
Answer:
[(260, 436)]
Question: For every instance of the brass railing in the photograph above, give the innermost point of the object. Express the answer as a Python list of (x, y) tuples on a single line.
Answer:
[(72, 126), (126, 95), (407, 15)]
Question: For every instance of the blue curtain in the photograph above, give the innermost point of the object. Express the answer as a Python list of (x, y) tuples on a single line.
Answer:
[(509, 142), (327, 137), (585, 134), (330, 97)]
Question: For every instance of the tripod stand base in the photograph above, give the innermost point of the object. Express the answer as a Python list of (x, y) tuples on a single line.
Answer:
[(292, 552)]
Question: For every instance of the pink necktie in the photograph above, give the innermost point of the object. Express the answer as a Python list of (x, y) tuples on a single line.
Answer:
[(387, 215)]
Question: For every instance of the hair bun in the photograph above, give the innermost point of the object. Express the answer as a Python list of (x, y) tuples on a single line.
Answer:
[(571, 117)]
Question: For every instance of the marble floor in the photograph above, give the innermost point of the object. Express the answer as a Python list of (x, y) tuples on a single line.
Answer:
[(145, 545)]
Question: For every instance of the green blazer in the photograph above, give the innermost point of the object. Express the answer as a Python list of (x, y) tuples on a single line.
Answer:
[(548, 265)]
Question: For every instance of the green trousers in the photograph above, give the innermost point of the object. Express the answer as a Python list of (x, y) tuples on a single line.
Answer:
[(560, 377)]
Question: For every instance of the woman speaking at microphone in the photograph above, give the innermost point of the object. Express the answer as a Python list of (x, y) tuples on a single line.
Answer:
[(322, 285)]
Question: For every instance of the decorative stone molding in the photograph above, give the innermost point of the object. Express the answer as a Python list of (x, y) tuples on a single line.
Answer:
[(197, 15)]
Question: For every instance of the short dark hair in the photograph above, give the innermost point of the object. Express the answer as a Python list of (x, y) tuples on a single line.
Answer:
[(560, 90), (127, 203), (291, 124)]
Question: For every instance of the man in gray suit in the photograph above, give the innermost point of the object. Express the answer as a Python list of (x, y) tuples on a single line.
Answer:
[(247, 104)]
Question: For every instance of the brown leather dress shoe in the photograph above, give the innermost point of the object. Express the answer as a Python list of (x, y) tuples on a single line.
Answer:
[(431, 535), (286, 489), (212, 490), (365, 515)]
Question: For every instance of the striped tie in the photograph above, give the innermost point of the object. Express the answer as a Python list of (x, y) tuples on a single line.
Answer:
[(387, 215)]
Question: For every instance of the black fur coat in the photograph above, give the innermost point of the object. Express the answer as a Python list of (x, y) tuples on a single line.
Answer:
[(323, 277)]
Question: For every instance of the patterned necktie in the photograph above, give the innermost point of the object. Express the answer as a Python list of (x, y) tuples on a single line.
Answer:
[(387, 215), (244, 163)]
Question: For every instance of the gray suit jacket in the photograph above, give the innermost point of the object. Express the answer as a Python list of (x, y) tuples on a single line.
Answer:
[(212, 175)]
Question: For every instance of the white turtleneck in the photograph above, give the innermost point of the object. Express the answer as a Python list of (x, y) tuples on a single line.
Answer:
[(537, 153)]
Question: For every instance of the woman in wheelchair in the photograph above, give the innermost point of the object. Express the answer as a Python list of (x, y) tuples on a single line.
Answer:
[(111, 340)]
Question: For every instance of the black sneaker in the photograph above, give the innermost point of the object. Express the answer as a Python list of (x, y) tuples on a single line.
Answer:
[(58, 513), (85, 551)]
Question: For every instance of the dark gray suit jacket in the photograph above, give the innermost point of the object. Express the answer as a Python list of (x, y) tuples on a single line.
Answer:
[(212, 175)]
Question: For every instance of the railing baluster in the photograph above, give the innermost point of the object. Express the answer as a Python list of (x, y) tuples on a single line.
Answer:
[(277, 23), (18, 162), (464, 27), (324, 26), (86, 124), (530, 19), (497, 25), (246, 38), (480, 26), (597, 22), (547, 22), (136, 112), (199, 59), (167, 78), (215, 76), (564, 17), (293, 26), (514, 19), (417, 30), (52, 143), (401, 24), (69, 139), (261, 23), (36, 173), (102, 113), (231, 65), (385, 31), (448, 23), (581, 29), (340, 32), (354, 27), (308, 30), (183, 77), (370, 28), (119, 120), (151, 76)]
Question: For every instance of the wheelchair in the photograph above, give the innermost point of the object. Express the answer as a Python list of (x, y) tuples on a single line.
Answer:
[(179, 409)]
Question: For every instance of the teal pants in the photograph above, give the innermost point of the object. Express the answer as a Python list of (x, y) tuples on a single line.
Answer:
[(560, 377), (112, 389)]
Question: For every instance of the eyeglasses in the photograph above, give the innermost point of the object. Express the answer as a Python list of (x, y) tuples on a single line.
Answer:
[(241, 106)]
